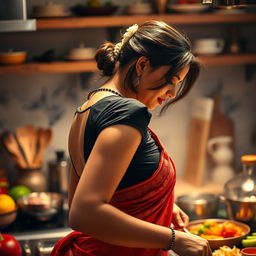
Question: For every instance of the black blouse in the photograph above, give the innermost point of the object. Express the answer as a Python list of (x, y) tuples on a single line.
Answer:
[(118, 110)]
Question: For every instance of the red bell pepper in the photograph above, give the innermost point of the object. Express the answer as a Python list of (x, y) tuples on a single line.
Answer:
[(9, 246)]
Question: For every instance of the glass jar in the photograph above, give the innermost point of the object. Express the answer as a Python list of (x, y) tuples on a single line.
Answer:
[(243, 186)]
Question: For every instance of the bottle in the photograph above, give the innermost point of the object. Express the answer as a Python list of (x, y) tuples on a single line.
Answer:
[(243, 186), (58, 174)]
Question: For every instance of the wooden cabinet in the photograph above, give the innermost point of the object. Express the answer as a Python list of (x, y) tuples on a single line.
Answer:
[(119, 21)]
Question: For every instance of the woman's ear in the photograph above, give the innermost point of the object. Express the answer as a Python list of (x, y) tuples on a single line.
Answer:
[(141, 64)]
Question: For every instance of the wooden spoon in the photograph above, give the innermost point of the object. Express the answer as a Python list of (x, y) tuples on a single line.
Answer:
[(44, 138), (25, 138), (12, 146)]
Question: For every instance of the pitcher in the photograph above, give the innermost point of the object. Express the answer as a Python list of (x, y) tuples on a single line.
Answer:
[(222, 155)]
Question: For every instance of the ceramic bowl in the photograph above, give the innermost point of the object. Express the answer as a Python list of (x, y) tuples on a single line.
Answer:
[(7, 218), (12, 58), (49, 10), (40, 205), (81, 53), (248, 251), (230, 241)]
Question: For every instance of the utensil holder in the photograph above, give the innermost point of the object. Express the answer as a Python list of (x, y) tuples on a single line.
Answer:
[(32, 178)]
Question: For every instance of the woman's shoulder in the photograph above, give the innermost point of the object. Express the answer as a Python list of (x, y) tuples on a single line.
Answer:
[(115, 103), (120, 108)]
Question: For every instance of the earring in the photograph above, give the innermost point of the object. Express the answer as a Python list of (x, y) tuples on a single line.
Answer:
[(136, 81)]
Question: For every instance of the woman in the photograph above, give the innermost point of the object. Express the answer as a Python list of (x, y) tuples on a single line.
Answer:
[(122, 180)]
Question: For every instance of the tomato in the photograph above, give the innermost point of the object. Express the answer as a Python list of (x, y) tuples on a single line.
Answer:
[(9, 246)]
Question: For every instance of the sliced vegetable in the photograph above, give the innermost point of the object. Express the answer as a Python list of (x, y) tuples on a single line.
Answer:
[(249, 242), (250, 237)]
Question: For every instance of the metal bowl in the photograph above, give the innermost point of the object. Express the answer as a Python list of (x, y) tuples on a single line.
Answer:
[(241, 210), (40, 205), (7, 218), (199, 206), (230, 241)]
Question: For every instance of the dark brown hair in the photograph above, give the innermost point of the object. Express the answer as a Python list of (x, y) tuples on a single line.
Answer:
[(162, 45)]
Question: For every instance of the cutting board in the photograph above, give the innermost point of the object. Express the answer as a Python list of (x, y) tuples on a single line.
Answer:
[(198, 135)]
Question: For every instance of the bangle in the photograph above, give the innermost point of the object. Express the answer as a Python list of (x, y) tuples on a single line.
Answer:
[(171, 242)]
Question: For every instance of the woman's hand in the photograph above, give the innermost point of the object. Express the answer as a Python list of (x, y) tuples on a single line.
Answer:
[(187, 244), (179, 219)]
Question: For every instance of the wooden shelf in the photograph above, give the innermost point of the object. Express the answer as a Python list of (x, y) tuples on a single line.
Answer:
[(116, 21), (53, 67), (90, 66), (229, 59)]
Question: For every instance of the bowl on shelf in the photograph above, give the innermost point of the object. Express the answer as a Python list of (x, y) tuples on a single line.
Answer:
[(81, 10), (41, 206), (81, 53), (215, 242), (7, 218), (12, 57), (49, 10)]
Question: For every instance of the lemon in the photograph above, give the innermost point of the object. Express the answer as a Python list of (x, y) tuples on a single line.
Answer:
[(7, 204)]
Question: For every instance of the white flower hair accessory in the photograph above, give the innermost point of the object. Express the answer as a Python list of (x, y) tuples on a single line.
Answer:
[(127, 35)]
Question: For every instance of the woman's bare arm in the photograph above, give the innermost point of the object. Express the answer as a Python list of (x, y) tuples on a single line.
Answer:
[(91, 212)]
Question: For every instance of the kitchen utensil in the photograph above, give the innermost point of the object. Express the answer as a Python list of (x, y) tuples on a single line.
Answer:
[(7, 218), (44, 138), (41, 206), (230, 241), (58, 174), (12, 146), (197, 140), (26, 136), (240, 193), (199, 206), (222, 155), (12, 58)]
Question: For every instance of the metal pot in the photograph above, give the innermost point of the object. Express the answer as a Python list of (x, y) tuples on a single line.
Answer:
[(244, 211), (199, 206)]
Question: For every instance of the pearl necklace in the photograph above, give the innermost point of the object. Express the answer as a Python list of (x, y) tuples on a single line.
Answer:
[(103, 90)]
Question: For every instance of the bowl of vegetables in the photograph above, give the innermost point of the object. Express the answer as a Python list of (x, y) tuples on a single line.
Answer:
[(219, 232)]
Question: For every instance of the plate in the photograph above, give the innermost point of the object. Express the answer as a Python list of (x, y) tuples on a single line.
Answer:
[(187, 8), (230, 241)]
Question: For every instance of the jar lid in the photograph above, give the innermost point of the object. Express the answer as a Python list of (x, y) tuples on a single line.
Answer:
[(250, 159)]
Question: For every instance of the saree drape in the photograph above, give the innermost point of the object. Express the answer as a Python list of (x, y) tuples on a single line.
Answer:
[(151, 200)]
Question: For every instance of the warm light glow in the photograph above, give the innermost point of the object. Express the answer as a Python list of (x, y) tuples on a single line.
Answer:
[(248, 185)]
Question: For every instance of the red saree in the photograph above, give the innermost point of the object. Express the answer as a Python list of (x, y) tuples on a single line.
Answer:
[(151, 200)]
